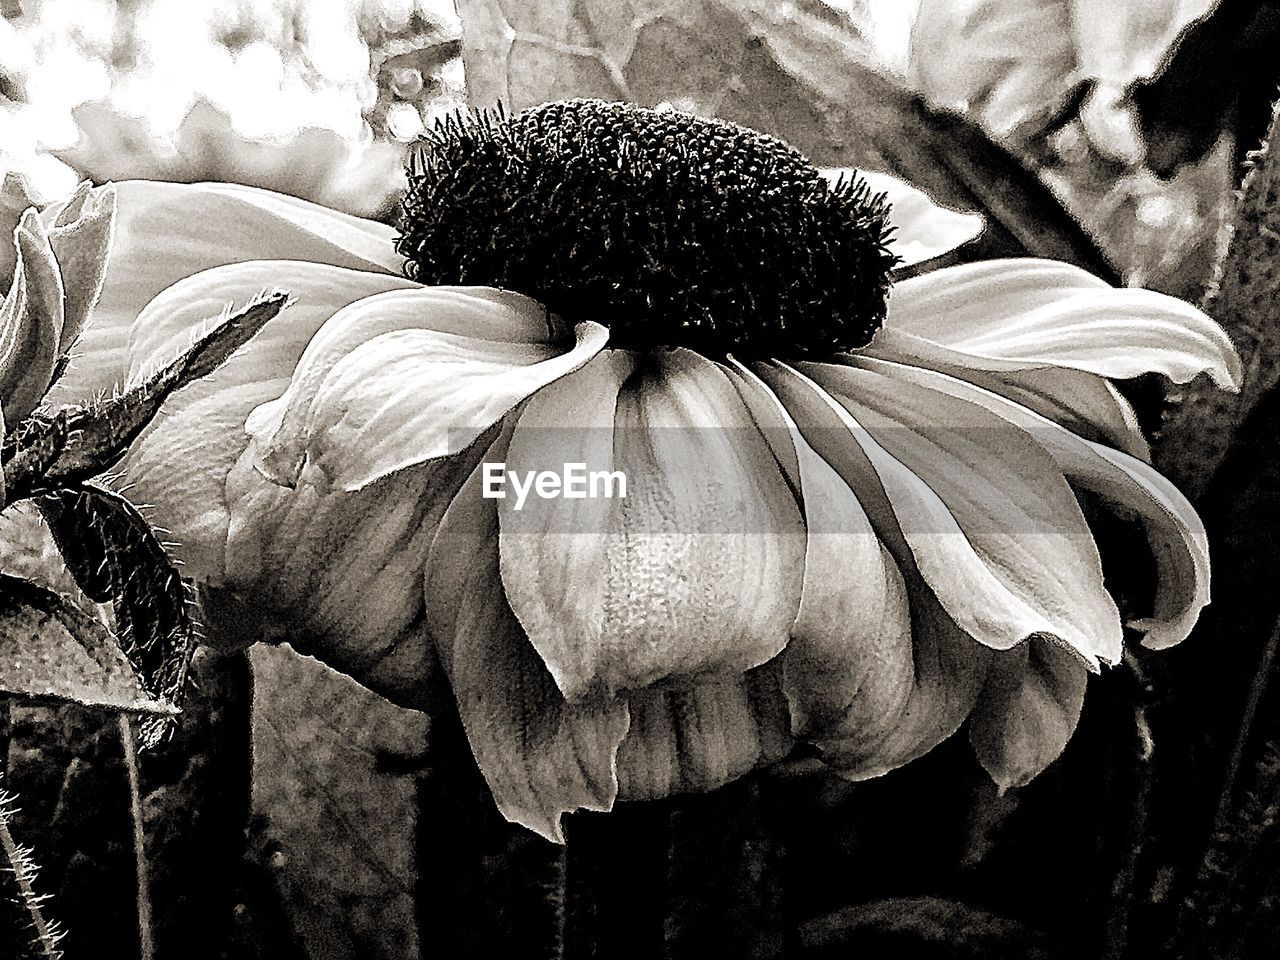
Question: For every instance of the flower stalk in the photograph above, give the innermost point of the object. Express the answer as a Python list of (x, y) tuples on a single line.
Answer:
[(45, 933)]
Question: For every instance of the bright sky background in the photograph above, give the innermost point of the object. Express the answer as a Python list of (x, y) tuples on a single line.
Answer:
[(59, 49)]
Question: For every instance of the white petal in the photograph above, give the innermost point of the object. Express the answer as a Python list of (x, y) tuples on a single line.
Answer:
[(81, 240), (950, 672), (1083, 402), (542, 757), (702, 737), (15, 197), (971, 501), (922, 229), (167, 231), (341, 571), (181, 461), (695, 571), (408, 376), (1131, 488), (848, 668), (1019, 314), (31, 321)]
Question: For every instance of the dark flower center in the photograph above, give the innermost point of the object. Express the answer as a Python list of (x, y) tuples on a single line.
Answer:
[(669, 229)]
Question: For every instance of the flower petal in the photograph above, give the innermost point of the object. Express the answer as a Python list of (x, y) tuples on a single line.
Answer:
[(1083, 402), (394, 380), (181, 461), (1027, 712), (167, 231), (984, 514), (30, 321), (695, 571), (541, 756), (185, 310), (922, 229), (1131, 488), (699, 738), (339, 573), (1019, 314), (15, 198), (81, 238), (950, 672), (848, 667)]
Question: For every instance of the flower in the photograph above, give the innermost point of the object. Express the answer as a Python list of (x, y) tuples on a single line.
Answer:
[(53, 262), (858, 547)]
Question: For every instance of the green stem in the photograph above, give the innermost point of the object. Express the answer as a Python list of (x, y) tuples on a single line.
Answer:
[(22, 868), (146, 945)]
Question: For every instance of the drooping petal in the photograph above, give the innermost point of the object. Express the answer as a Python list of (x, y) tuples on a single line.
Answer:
[(1028, 711), (182, 460), (1132, 490), (1009, 498), (410, 376), (698, 738), (1083, 402), (950, 672), (848, 668), (336, 572), (30, 321), (922, 229), (695, 571), (975, 504), (1019, 314), (541, 756), (189, 307), (167, 231)]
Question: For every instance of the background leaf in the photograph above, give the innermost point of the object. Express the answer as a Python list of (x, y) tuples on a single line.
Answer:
[(797, 70), (54, 651), (333, 803), (1020, 67), (922, 927)]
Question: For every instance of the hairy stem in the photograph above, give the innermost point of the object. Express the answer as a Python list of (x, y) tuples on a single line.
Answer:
[(146, 945), (23, 869)]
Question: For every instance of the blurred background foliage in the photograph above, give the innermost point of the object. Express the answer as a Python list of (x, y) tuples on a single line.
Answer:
[(310, 98), (241, 90)]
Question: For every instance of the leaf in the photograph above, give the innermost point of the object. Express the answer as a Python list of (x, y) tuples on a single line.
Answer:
[(114, 556), (1020, 67), (334, 791), (796, 70), (45, 453), (54, 651), (1245, 300), (1221, 78)]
